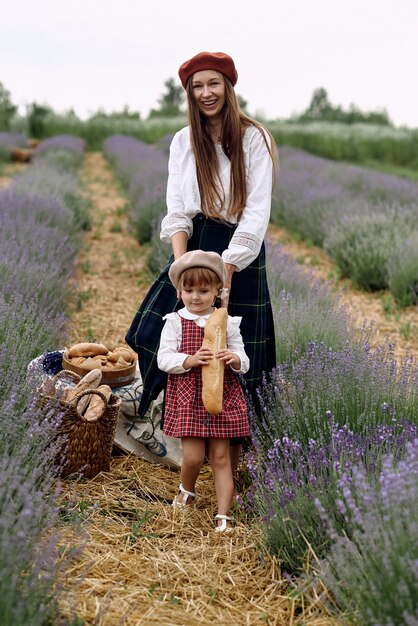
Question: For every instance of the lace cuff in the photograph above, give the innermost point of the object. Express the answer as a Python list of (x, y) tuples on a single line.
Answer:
[(248, 240), (173, 223)]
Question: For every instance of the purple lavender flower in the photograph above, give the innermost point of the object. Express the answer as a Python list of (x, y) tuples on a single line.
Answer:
[(37, 247), (143, 169), (372, 566)]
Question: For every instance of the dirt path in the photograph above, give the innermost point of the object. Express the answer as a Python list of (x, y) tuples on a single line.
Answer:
[(109, 280)]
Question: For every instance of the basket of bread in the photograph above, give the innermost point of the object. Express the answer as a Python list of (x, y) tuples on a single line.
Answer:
[(117, 366), (87, 413)]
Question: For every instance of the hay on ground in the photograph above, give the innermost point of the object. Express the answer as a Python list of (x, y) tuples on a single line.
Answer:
[(143, 562)]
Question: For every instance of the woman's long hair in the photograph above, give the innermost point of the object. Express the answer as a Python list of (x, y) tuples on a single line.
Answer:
[(234, 124)]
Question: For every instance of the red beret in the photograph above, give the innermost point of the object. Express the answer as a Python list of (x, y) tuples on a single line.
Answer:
[(218, 61)]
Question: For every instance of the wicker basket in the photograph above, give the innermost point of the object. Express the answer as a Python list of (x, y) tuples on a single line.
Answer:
[(84, 445), (87, 444)]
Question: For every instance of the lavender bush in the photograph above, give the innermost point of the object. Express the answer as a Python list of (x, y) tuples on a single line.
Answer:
[(143, 170), (304, 308), (323, 411), (372, 567), (52, 184), (59, 147), (9, 141), (37, 247), (313, 191), (357, 214), (363, 245), (362, 388), (290, 478), (402, 269)]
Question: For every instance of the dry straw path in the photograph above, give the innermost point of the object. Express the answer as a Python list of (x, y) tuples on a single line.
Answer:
[(143, 563)]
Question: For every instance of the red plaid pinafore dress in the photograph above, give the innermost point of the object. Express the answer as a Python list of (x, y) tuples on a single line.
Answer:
[(185, 415)]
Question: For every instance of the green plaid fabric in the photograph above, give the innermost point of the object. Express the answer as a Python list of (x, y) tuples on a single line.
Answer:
[(249, 298)]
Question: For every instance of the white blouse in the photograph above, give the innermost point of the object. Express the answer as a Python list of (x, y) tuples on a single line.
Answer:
[(170, 360), (183, 197)]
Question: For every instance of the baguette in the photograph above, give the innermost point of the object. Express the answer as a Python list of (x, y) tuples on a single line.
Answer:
[(96, 405), (87, 349), (89, 381), (213, 374)]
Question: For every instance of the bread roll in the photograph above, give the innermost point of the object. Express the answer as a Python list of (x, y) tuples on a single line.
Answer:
[(91, 363), (125, 353), (96, 405), (87, 349), (77, 360), (213, 373), (121, 363)]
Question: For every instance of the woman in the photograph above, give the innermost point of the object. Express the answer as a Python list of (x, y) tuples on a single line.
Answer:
[(221, 175)]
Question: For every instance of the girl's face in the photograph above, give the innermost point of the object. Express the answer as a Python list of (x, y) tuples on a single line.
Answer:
[(198, 299), (208, 88)]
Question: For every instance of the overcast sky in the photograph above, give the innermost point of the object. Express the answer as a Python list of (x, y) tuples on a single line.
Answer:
[(91, 54)]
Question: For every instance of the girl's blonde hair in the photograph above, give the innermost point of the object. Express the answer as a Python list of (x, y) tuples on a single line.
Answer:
[(234, 124), (199, 276)]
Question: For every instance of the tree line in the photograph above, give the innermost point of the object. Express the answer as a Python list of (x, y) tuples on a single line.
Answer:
[(171, 103)]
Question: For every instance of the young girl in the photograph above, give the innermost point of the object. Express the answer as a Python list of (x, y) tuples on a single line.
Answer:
[(199, 278)]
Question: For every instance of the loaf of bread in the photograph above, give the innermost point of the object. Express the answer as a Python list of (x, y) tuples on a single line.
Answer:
[(87, 349), (125, 353), (213, 373), (96, 405), (89, 381), (92, 363)]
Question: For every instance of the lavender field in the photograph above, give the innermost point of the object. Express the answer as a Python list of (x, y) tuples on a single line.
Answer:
[(358, 143), (335, 449), (331, 478), (366, 220)]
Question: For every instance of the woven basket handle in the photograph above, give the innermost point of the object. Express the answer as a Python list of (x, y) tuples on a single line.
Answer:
[(74, 402), (67, 373)]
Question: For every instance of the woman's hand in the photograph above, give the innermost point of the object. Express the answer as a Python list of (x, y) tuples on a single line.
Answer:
[(201, 357), (229, 358), (230, 269)]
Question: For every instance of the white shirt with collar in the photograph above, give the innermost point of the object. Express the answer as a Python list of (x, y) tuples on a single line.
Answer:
[(183, 196), (170, 360)]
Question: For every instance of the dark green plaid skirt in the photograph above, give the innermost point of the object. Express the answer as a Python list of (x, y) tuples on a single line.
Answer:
[(249, 299)]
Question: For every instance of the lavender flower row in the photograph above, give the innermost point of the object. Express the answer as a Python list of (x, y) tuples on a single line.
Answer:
[(143, 170), (38, 242), (362, 217), (9, 141), (372, 567), (64, 152)]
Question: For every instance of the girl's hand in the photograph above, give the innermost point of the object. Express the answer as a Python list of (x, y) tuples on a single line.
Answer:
[(229, 358), (201, 357)]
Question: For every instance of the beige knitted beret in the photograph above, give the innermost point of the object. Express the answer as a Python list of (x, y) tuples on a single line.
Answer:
[(197, 258)]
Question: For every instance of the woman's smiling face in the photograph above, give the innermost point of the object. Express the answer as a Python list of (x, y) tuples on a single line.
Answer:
[(209, 92)]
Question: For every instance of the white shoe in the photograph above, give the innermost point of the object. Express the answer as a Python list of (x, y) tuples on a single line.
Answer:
[(223, 526), (182, 498)]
